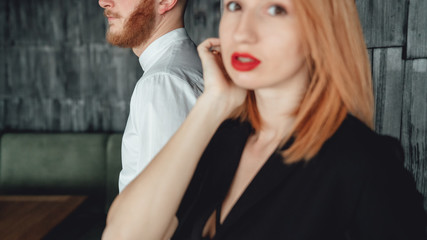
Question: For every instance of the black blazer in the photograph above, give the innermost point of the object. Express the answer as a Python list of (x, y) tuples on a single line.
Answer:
[(355, 188)]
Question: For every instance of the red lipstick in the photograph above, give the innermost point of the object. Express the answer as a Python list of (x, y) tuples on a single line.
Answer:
[(244, 62)]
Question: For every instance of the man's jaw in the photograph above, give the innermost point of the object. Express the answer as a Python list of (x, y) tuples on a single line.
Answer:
[(135, 30)]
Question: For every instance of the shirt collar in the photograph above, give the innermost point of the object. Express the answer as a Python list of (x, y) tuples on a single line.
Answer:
[(156, 49)]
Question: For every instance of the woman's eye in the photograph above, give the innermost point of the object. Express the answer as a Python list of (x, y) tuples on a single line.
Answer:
[(233, 6), (276, 10)]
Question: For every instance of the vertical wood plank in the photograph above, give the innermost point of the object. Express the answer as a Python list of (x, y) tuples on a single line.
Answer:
[(57, 22), (36, 22), (29, 114), (94, 23), (11, 113), (73, 21), (38, 113), (2, 115), (383, 22), (32, 71), (85, 24), (417, 29), (126, 71), (99, 115), (73, 71), (371, 60), (3, 22), (99, 70), (3, 76), (65, 115), (388, 75), (414, 122), (4, 41), (202, 19), (95, 116), (71, 112), (115, 71)]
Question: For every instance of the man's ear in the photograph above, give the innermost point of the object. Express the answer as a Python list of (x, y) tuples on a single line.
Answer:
[(166, 5)]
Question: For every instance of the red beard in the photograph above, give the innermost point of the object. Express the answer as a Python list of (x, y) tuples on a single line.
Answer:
[(137, 29)]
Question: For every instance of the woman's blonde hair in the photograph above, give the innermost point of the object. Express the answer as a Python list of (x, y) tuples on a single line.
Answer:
[(340, 77)]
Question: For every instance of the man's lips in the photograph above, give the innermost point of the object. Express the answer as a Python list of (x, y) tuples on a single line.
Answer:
[(111, 16), (111, 20), (244, 61)]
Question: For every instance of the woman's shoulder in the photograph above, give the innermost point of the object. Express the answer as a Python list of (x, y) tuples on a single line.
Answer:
[(354, 141), (370, 168), (357, 155)]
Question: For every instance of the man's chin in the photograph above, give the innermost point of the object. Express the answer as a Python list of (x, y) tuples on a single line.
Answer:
[(115, 38), (125, 39)]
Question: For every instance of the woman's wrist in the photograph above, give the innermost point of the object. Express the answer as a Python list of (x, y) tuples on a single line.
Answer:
[(218, 103)]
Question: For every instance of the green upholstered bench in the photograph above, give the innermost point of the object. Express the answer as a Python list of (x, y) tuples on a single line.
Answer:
[(64, 163)]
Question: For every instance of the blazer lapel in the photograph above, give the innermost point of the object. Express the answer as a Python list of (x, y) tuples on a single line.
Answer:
[(267, 179)]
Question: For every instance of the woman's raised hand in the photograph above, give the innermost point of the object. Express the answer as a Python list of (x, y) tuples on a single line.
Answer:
[(217, 82)]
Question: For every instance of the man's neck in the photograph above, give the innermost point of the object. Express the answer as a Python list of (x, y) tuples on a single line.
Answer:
[(164, 26)]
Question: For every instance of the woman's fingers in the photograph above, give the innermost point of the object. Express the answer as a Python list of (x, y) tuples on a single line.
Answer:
[(213, 67), (215, 76), (205, 48), (210, 55)]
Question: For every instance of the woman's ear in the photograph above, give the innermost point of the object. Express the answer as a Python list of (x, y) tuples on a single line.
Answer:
[(166, 5)]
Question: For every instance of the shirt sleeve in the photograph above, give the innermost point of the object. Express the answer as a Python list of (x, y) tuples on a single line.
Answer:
[(390, 207), (159, 105)]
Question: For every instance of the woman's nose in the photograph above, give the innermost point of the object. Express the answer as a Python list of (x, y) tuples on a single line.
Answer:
[(245, 31)]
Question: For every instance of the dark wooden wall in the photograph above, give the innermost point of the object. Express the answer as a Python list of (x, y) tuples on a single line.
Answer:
[(396, 35), (58, 74)]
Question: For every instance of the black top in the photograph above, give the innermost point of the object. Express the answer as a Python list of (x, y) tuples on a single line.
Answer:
[(356, 187)]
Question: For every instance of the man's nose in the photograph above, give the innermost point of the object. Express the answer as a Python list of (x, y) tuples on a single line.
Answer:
[(106, 3)]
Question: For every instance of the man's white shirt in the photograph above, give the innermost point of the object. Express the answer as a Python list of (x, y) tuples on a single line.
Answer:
[(161, 100)]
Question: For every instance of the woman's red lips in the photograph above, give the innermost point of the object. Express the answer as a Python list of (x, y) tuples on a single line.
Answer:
[(244, 61)]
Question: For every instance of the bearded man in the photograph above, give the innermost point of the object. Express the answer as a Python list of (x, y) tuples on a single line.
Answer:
[(172, 78)]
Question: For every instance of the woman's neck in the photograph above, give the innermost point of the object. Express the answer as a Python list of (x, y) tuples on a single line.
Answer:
[(277, 107)]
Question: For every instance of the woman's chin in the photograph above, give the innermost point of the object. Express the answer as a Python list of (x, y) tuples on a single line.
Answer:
[(245, 85), (245, 80), (248, 84)]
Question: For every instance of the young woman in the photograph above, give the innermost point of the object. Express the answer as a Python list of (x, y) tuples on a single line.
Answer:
[(279, 146)]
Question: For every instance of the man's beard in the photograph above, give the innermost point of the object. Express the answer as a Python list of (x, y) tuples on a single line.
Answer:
[(137, 29)]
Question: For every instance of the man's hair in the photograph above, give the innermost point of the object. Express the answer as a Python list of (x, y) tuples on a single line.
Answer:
[(340, 78)]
